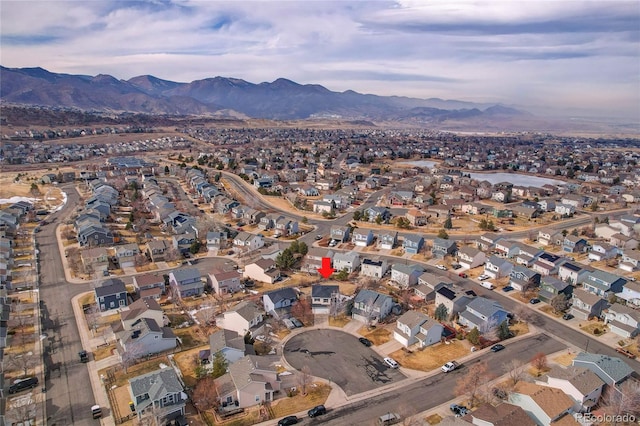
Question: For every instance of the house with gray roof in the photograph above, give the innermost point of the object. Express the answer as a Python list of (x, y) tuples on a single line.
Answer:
[(406, 275), (370, 306), (250, 381), (387, 240), (362, 237), (483, 313), (550, 287), (580, 383), (587, 305), (412, 243), (347, 261), (186, 282), (631, 293), (612, 370), (145, 337), (454, 299), (280, 301), (227, 342), (622, 320), (415, 327), (112, 294), (340, 233), (374, 268), (442, 248), (245, 317), (322, 297), (602, 283), (521, 278), (158, 393)]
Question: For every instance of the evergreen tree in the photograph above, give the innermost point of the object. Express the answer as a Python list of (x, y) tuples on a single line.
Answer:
[(441, 313), (285, 260), (503, 331), (443, 234), (447, 223), (219, 365), (474, 336)]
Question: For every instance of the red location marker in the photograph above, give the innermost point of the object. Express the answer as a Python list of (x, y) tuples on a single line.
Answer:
[(326, 269)]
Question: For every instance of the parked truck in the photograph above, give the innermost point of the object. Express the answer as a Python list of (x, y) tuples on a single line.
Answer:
[(450, 366)]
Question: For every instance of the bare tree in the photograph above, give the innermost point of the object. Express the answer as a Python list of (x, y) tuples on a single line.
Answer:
[(539, 362), (302, 309), (132, 353), (92, 316), (304, 378), (624, 399), (515, 369), (471, 384), (23, 361), (559, 303), (336, 306), (205, 394), (524, 314)]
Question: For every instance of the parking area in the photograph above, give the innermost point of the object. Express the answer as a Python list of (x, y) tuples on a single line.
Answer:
[(339, 357)]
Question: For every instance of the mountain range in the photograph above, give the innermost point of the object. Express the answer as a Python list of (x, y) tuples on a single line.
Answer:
[(223, 97)]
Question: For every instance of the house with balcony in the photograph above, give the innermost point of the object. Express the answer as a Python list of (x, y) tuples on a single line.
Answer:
[(412, 243), (186, 282), (347, 261), (370, 306), (587, 305), (158, 394), (387, 240), (579, 383), (405, 275), (245, 317), (497, 267), (602, 283), (522, 278), (550, 287), (362, 237), (483, 313), (470, 257), (622, 320), (225, 282), (415, 327), (374, 268), (322, 297), (442, 248), (250, 381)]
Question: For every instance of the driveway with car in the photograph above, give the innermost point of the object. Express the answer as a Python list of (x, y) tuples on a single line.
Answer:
[(338, 356)]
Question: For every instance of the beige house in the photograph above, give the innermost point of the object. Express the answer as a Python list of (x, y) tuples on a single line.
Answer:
[(263, 270), (249, 381), (245, 317)]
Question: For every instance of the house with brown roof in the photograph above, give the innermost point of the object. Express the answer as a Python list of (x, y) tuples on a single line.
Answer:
[(263, 270), (149, 285), (500, 415), (223, 282), (157, 250), (545, 405), (587, 305), (250, 381), (581, 384)]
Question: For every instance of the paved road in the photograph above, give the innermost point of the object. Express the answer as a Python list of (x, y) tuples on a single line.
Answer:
[(338, 356), (434, 390), (67, 401)]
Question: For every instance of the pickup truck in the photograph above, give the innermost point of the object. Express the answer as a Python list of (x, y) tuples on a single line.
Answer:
[(450, 366)]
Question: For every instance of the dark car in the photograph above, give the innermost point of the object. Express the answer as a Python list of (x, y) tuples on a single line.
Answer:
[(497, 348), (507, 289), (534, 301), (318, 410), (567, 317), (459, 410), (289, 420), (297, 322), (365, 341), (84, 356), (22, 384)]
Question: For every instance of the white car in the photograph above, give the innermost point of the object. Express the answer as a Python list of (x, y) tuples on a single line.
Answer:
[(450, 366), (483, 277), (391, 362), (441, 267)]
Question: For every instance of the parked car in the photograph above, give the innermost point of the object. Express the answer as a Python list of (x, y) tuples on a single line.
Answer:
[(289, 420), (450, 366), (297, 322), (463, 275), (388, 419), (318, 410), (318, 237), (459, 410), (441, 267), (497, 348), (483, 277), (96, 411), (456, 266), (534, 301), (567, 317), (507, 288), (365, 341), (391, 362), (84, 356), (23, 384)]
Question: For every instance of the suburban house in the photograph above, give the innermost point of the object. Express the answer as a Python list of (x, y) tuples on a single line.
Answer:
[(548, 264), (487, 241), (126, 254), (112, 294), (586, 305), (427, 286), (470, 257), (387, 240), (622, 320), (186, 282), (216, 240), (182, 242), (144, 337), (417, 217), (630, 260), (247, 241), (412, 243), (573, 244), (548, 237), (631, 293), (313, 259), (408, 329), (149, 285), (521, 278), (227, 342), (95, 259), (612, 370), (602, 251), (279, 301), (545, 405), (225, 282), (340, 233), (141, 308), (579, 383), (485, 314), (602, 283), (347, 261), (454, 300), (376, 213), (322, 297), (497, 267), (506, 248), (263, 270), (159, 394), (362, 237), (442, 248), (373, 268), (527, 255), (499, 415), (249, 381), (370, 306), (405, 275), (550, 287), (285, 226), (157, 249), (245, 317)]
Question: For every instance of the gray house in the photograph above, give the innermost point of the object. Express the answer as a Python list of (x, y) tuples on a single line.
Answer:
[(612, 370), (112, 294), (159, 393), (371, 306), (229, 343), (442, 248), (145, 337), (412, 243), (485, 314), (186, 282), (340, 233)]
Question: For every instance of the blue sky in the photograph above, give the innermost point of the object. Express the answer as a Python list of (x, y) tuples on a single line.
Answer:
[(555, 56)]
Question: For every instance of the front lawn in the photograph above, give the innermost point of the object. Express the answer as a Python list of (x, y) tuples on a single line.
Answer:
[(377, 335), (433, 356), (317, 394)]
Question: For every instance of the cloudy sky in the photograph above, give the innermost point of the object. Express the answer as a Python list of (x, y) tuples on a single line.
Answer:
[(581, 57)]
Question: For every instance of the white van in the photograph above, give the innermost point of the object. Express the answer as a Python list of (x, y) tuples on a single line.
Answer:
[(487, 284), (388, 419)]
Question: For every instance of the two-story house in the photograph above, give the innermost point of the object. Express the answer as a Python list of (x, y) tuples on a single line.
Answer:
[(340, 233), (612, 370), (497, 267), (523, 279), (374, 268), (248, 242), (250, 381), (527, 255), (370, 306), (112, 294), (263, 270), (95, 259), (227, 342), (387, 240), (362, 237), (159, 394), (216, 240), (225, 282), (245, 317), (574, 244), (145, 336), (470, 257), (454, 300), (550, 287), (548, 264), (487, 241), (157, 249), (602, 251), (408, 325), (550, 237), (602, 283), (126, 254), (324, 298), (630, 260), (149, 285), (579, 383), (631, 293), (417, 217), (586, 305), (485, 314), (412, 243), (442, 248), (544, 404), (405, 275), (186, 282), (347, 261), (622, 320), (506, 248)]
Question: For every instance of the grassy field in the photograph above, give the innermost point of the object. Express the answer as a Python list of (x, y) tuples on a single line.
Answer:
[(317, 393), (433, 356), (378, 335)]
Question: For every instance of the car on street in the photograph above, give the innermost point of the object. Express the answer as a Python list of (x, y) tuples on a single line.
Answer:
[(441, 267), (483, 277), (459, 410), (391, 362), (318, 410), (318, 237), (497, 348), (463, 275), (534, 301), (567, 317), (450, 366), (297, 322), (84, 356), (507, 288), (365, 341), (289, 420), (19, 385)]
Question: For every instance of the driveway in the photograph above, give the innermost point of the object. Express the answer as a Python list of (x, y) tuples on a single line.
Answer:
[(339, 357)]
